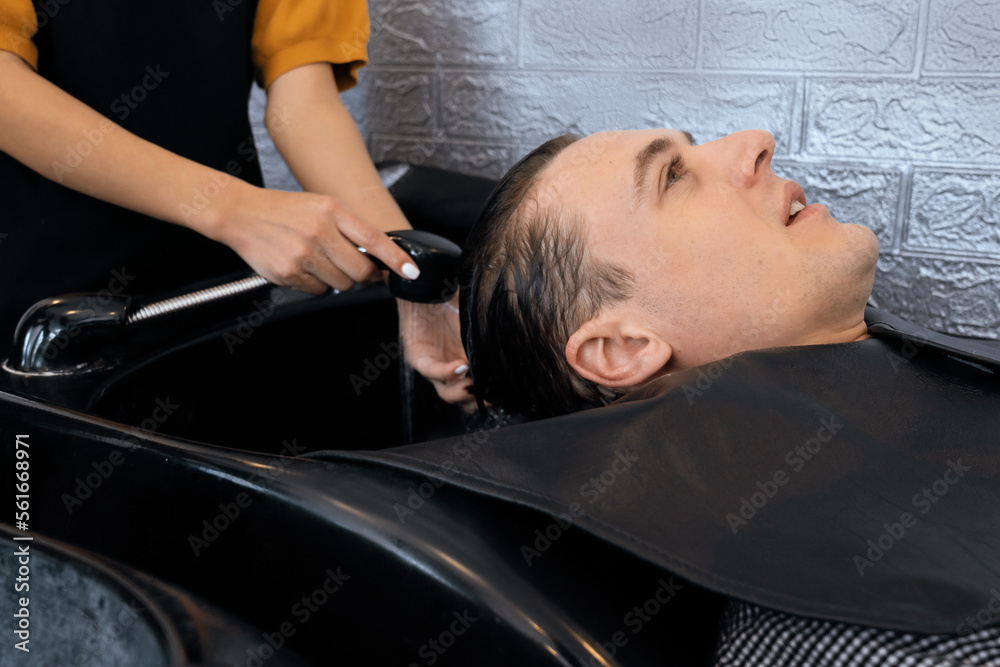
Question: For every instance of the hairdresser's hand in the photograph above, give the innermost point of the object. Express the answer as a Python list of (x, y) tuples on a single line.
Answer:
[(304, 240), (433, 344)]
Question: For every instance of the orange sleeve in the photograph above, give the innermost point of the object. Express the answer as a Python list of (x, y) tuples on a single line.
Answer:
[(17, 26), (291, 33)]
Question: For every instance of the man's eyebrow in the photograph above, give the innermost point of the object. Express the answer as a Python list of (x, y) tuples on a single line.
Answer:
[(644, 160)]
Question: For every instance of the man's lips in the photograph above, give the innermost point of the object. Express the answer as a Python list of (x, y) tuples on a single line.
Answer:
[(794, 203), (806, 214)]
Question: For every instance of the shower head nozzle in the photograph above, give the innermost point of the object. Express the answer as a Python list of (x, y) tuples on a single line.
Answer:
[(438, 260)]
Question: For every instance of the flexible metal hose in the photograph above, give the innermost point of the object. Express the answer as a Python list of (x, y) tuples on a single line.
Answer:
[(183, 301), (389, 174)]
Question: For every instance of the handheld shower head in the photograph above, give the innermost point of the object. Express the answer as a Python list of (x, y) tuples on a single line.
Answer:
[(70, 333), (438, 260)]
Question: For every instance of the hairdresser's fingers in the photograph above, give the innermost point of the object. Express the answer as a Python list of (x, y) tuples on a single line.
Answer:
[(339, 264), (304, 240), (288, 269), (306, 283), (456, 393), (440, 371), (449, 379), (317, 274), (376, 243)]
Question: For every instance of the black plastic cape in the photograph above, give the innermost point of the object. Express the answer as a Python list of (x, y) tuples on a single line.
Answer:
[(855, 482)]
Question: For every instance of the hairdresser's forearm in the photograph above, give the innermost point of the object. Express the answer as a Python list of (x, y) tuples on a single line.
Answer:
[(65, 140), (323, 147)]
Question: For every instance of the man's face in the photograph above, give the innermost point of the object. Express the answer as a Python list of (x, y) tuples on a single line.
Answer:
[(721, 266)]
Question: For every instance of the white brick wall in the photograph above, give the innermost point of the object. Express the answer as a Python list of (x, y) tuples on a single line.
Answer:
[(888, 111)]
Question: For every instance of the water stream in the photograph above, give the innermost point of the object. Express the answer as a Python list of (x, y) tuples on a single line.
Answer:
[(425, 329), (406, 380)]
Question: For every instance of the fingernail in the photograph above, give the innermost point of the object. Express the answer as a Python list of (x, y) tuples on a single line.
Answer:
[(461, 369), (411, 271)]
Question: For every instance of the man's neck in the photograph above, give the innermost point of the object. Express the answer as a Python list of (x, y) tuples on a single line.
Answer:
[(853, 332)]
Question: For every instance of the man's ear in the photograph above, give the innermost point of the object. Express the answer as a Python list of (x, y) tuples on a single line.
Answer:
[(614, 353)]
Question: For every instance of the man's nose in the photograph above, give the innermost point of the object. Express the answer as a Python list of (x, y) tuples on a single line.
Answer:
[(751, 159)]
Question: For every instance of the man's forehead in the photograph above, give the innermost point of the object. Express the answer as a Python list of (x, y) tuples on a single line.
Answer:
[(625, 142), (597, 166)]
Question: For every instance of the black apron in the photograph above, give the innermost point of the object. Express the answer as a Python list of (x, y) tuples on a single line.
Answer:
[(175, 73), (857, 482)]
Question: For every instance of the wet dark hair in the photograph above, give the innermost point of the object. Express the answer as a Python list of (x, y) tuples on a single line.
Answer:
[(527, 284)]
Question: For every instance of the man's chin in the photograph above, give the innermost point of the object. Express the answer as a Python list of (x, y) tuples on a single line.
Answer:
[(868, 258), (865, 247), (850, 276)]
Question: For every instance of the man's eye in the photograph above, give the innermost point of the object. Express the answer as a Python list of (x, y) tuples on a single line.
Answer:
[(675, 172)]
